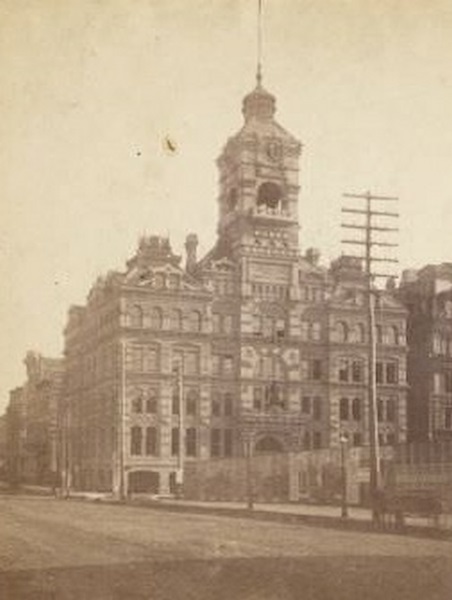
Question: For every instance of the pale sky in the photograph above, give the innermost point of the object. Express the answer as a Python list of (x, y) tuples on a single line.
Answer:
[(89, 89)]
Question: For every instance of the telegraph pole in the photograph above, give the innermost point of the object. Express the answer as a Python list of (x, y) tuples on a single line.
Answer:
[(371, 229), (179, 380)]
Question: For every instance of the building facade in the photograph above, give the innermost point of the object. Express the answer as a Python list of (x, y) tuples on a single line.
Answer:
[(427, 294), (252, 346), (32, 423)]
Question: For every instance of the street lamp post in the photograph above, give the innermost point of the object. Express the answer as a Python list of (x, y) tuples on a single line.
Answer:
[(249, 472), (343, 439)]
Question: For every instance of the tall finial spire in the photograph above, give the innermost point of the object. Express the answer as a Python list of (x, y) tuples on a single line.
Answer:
[(259, 43)]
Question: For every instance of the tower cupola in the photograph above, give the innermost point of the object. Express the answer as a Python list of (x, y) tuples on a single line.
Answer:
[(259, 104)]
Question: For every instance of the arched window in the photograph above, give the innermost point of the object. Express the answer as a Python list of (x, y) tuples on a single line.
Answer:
[(392, 336), (269, 194), (137, 402), (156, 318), (135, 316), (195, 321), (358, 334), (192, 403), (152, 402), (159, 280), (341, 332), (175, 319)]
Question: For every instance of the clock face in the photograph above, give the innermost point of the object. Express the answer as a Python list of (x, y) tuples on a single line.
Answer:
[(274, 150)]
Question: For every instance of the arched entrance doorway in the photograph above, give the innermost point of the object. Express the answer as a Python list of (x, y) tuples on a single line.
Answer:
[(267, 444), (144, 482)]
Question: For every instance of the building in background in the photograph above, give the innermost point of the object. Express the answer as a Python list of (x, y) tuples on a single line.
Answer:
[(256, 342), (427, 294), (32, 423)]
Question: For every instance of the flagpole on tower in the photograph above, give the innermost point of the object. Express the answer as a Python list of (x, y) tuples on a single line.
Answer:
[(259, 43)]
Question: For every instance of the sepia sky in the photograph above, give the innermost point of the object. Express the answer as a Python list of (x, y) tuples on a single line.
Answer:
[(90, 89)]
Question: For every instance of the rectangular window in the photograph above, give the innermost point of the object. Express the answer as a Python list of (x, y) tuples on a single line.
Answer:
[(391, 372), (136, 440), (306, 405), (380, 410), (304, 370), (228, 365), (151, 403), (151, 441), (343, 370), (304, 330), (280, 328), (175, 400), (216, 406), (175, 441), (379, 372), (191, 403), (356, 409), (307, 441), (448, 417), (343, 409), (317, 413), (190, 442), (257, 325), (228, 409), (437, 383), (191, 363), (357, 439), (316, 369), (227, 324), (316, 331), (228, 442), (357, 371), (216, 322), (215, 364), (215, 443), (390, 410), (149, 359), (257, 398), (448, 382), (317, 440)]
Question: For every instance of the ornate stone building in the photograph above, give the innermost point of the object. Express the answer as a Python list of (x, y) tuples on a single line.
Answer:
[(272, 346), (427, 294)]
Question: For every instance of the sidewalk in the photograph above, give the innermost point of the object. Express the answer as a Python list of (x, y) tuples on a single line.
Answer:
[(359, 519)]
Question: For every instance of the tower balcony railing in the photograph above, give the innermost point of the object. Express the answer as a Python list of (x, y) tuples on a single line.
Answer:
[(265, 211)]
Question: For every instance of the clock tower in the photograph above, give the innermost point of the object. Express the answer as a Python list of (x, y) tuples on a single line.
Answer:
[(258, 199)]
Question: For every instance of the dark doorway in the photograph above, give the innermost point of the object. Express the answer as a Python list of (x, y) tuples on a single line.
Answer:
[(144, 482), (269, 444)]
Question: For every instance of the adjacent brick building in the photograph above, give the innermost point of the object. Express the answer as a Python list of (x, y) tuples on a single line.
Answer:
[(427, 294), (32, 423)]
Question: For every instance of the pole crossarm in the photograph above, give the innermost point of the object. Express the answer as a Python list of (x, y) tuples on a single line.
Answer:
[(369, 196), (376, 213), (371, 228)]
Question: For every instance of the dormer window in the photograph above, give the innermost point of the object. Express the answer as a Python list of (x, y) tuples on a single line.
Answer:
[(269, 195)]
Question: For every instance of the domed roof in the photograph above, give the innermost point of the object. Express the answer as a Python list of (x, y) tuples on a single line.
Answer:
[(259, 104)]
